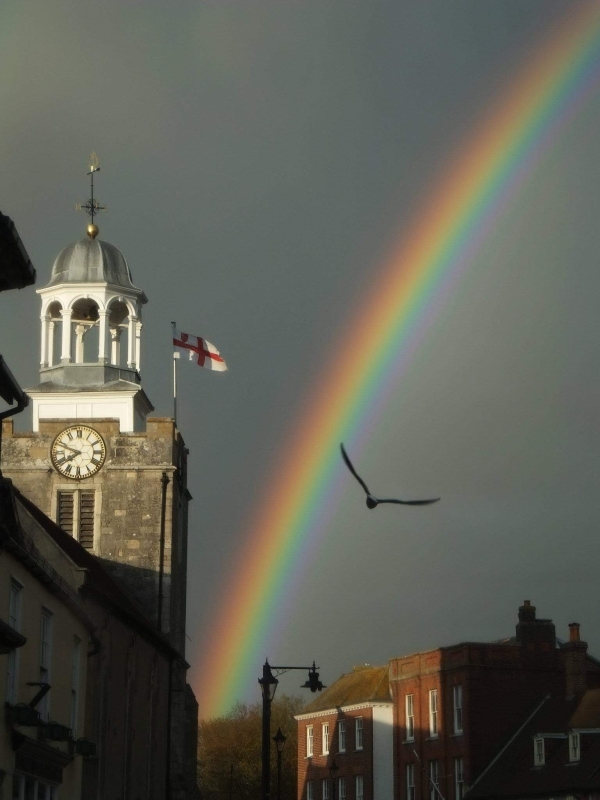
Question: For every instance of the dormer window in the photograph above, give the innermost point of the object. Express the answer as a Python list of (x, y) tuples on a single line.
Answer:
[(539, 757), (574, 747)]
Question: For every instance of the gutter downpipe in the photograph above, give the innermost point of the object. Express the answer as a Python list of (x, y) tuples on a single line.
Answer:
[(163, 513)]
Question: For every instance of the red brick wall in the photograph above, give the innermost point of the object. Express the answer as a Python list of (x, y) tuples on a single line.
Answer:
[(351, 763)]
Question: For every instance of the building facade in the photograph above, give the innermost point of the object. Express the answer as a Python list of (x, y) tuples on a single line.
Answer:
[(345, 739), (450, 712), (115, 480)]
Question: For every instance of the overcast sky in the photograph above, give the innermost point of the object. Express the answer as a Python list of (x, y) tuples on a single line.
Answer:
[(258, 159)]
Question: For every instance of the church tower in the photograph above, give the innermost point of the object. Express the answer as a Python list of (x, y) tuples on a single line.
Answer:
[(95, 462)]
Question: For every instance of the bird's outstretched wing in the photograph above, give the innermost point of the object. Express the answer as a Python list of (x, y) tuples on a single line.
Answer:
[(352, 470), (411, 502)]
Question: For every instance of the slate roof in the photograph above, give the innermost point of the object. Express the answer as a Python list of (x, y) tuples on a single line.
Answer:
[(513, 774), (362, 685)]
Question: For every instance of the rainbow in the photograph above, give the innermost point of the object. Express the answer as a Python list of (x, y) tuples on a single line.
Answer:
[(480, 181)]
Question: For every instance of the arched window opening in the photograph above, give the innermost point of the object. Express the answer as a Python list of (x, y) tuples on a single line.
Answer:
[(118, 324), (54, 340), (84, 331)]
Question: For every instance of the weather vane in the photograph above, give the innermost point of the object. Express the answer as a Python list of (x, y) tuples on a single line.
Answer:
[(92, 207)]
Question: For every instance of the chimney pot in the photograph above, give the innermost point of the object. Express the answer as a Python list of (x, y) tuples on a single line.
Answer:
[(574, 632)]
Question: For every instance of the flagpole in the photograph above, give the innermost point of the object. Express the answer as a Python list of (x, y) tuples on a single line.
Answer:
[(175, 359)]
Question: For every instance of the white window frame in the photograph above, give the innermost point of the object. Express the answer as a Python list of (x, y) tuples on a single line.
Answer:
[(342, 736), (342, 789), (574, 746), (325, 738), (434, 728), (434, 779), (359, 733), (310, 741), (325, 789), (15, 609), (410, 782), (539, 753), (310, 793), (409, 712), (359, 788), (50, 792), (459, 778), (45, 660), (457, 697)]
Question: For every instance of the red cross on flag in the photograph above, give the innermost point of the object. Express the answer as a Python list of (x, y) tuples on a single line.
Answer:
[(208, 355)]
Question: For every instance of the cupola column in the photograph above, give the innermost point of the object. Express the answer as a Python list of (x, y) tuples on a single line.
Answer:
[(44, 358), (65, 355), (103, 337), (138, 349), (50, 345), (131, 340)]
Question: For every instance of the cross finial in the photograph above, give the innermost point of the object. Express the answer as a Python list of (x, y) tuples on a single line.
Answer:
[(92, 207)]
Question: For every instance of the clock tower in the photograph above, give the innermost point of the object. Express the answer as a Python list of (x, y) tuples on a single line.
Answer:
[(96, 462)]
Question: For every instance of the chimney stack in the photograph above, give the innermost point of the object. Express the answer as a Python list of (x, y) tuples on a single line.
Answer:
[(575, 662), (534, 635)]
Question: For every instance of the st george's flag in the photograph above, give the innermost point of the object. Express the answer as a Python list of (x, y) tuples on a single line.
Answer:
[(207, 354)]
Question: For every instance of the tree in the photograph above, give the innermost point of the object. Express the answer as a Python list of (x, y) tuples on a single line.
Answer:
[(229, 752)]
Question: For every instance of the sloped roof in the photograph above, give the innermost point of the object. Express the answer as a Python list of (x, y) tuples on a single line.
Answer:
[(362, 685), (514, 775), (98, 579)]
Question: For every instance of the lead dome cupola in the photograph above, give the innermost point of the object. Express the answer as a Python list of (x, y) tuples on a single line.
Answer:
[(91, 261)]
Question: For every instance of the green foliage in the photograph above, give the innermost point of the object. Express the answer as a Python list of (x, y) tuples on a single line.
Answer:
[(229, 752)]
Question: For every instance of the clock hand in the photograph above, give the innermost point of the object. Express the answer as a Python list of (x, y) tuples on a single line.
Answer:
[(73, 449)]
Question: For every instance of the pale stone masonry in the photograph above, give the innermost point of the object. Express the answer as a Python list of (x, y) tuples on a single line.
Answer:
[(128, 504)]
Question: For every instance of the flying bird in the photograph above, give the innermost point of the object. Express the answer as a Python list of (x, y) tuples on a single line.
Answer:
[(373, 501)]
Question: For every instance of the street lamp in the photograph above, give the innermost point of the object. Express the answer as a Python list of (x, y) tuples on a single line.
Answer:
[(279, 740), (333, 771), (268, 685)]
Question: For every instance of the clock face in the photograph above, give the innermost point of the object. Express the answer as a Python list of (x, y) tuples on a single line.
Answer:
[(78, 452)]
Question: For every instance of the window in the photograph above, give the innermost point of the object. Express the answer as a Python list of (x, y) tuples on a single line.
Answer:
[(342, 788), (433, 712), (75, 685), (75, 515), (342, 736), (359, 788), (310, 791), (409, 704), (309, 741), (459, 779), (410, 782), (325, 788), (434, 780), (15, 594), (574, 747), (539, 758), (45, 659), (458, 709), (25, 788), (359, 733), (325, 738)]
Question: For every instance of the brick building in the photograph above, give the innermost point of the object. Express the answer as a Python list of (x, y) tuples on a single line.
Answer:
[(349, 726), (452, 710), (554, 753)]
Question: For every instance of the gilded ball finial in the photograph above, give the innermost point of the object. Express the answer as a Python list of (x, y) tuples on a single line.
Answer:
[(93, 231)]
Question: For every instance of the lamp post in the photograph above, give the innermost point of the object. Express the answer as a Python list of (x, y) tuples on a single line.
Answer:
[(279, 740), (268, 685), (333, 771)]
